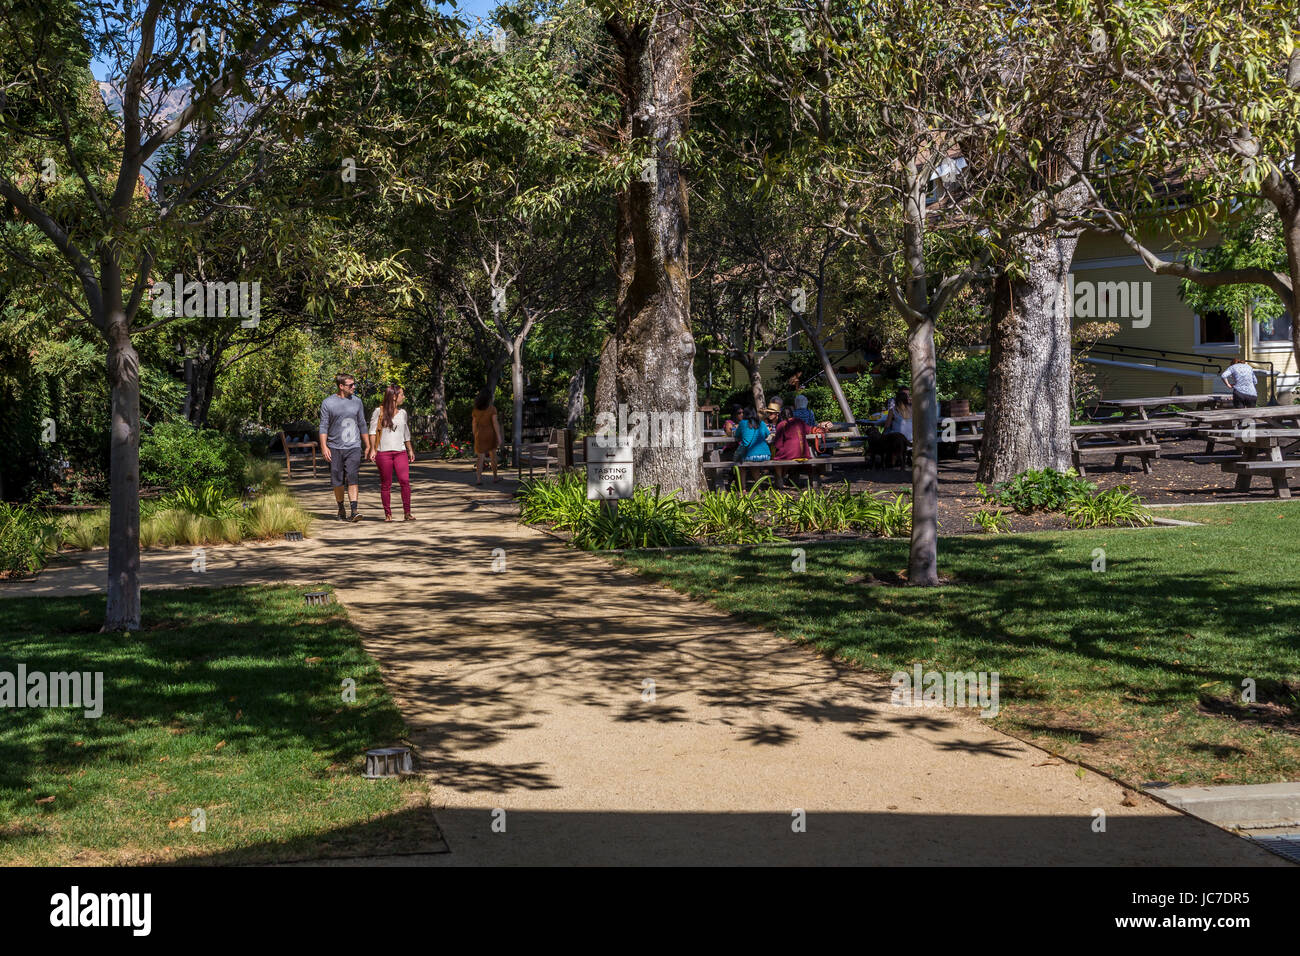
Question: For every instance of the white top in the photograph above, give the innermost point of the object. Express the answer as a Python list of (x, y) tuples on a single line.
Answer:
[(1240, 377), (395, 438), (901, 425)]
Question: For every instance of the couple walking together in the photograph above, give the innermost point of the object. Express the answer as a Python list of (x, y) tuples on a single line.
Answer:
[(346, 438)]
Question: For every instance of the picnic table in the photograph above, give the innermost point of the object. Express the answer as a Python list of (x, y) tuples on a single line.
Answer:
[(1124, 438), (816, 468), (1231, 417), (1138, 407), (1262, 453), (968, 430)]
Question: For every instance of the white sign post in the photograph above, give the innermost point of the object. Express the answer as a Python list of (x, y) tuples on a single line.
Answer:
[(609, 470)]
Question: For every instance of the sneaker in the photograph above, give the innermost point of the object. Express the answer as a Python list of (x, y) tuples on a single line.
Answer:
[(343, 515), (356, 515)]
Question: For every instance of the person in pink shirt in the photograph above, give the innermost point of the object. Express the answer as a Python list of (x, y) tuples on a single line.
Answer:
[(790, 443)]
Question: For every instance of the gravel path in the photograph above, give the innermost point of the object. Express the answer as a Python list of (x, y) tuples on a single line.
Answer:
[(528, 695)]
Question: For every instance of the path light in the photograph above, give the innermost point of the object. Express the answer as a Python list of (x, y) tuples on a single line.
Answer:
[(293, 536), (318, 597), (388, 762)]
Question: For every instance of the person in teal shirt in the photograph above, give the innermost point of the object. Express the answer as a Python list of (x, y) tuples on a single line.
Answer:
[(751, 438)]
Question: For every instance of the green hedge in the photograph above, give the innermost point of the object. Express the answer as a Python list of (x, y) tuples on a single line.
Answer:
[(176, 455)]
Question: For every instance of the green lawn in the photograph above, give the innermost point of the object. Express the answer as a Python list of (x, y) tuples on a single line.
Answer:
[(1136, 669), (227, 701)]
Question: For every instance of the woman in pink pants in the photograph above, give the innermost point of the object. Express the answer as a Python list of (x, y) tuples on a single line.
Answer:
[(391, 449)]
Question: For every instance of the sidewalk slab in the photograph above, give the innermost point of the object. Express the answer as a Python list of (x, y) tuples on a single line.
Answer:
[(1241, 806)]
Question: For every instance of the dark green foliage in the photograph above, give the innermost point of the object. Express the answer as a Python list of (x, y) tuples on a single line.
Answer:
[(27, 536), (176, 455), (1039, 490)]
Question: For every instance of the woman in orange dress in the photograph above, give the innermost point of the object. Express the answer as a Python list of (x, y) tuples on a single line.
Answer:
[(487, 435)]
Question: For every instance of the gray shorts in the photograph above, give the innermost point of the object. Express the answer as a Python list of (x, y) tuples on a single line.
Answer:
[(344, 465)]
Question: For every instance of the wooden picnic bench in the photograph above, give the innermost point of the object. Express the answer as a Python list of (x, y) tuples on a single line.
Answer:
[(1138, 407), (1254, 443), (1232, 418), (815, 468), (1126, 438)]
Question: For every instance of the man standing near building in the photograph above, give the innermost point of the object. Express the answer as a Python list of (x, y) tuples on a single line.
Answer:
[(343, 433), (1240, 377)]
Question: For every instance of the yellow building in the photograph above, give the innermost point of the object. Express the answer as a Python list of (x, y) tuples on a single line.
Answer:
[(1163, 345)]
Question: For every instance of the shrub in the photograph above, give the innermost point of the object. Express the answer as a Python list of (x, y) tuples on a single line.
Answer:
[(991, 521), (193, 518), (648, 519), (85, 531), (208, 501), (263, 476), (271, 516), (1038, 490), (176, 455), (1114, 507), (730, 517), (27, 536), (560, 502)]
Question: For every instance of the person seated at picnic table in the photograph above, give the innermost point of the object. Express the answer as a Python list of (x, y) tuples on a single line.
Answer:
[(729, 429), (790, 443), (802, 412), (893, 439), (737, 415), (1240, 377), (772, 414), (751, 436)]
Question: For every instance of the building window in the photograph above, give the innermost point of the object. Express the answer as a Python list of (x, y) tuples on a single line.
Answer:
[(1216, 329), (1275, 330)]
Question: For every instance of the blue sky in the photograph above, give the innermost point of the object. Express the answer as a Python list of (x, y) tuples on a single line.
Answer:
[(469, 9)]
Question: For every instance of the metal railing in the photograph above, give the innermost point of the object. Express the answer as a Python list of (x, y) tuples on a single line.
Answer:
[(1192, 361)]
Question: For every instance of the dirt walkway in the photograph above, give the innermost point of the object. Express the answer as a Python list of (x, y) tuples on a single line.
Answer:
[(525, 692)]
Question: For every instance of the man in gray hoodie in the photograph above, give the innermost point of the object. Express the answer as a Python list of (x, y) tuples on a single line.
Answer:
[(343, 433)]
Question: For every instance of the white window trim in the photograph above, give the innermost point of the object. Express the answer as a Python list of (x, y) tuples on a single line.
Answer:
[(1215, 348), (1273, 345)]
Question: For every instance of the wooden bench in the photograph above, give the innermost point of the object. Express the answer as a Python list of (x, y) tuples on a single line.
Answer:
[(1276, 470), (539, 454), (1139, 450), (817, 468), (301, 450)]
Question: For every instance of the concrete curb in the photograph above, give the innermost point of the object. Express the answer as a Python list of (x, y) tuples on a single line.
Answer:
[(1241, 806)]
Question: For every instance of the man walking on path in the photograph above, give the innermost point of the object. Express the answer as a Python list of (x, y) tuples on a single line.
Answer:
[(342, 433), (1240, 377)]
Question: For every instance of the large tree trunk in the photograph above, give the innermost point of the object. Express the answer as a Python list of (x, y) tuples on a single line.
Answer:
[(438, 389), (577, 396), (606, 379), (755, 374), (123, 609), (1289, 212), (517, 395), (1027, 422), (497, 366), (202, 386), (656, 349), (923, 562)]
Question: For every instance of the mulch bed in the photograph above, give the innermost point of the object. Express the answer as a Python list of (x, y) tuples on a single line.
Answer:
[(1174, 479)]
